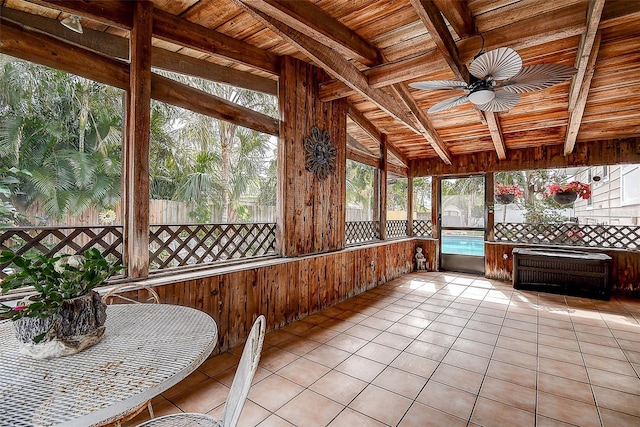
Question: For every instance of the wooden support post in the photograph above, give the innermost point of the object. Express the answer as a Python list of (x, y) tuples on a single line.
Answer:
[(410, 206), (435, 206), (136, 150), (311, 212), (377, 188), (383, 187), (490, 204), (436, 215)]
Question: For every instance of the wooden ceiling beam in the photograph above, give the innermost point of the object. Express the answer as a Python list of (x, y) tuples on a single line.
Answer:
[(575, 115), (111, 12), (364, 124), (307, 18), (373, 132), (394, 169), (437, 27), (178, 30), (342, 69), (364, 158), (594, 12), (540, 29), (190, 66), (459, 16), (496, 134), (433, 20), (173, 29), (31, 45), (547, 27), (426, 127), (118, 47), (355, 144), (588, 153)]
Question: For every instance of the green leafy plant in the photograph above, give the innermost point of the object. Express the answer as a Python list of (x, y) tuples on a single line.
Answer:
[(54, 279)]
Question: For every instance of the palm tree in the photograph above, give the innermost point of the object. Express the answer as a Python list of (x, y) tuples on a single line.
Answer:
[(227, 160), (64, 130), (359, 180)]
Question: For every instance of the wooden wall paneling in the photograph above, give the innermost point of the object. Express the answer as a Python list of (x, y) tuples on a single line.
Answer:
[(336, 282), (323, 284), (302, 294), (222, 313), (626, 273), (495, 266), (254, 307), (287, 295), (308, 219), (237, 307), (290, 290), (267, 279), (313, 285), (592, 153), (347, 285), (384, 261)]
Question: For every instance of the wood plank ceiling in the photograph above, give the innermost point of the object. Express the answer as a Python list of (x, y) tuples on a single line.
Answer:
[(372, 49)]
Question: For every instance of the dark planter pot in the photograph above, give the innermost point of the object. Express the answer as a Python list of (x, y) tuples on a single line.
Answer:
[(78, 325), (504, 199), (565, 197)]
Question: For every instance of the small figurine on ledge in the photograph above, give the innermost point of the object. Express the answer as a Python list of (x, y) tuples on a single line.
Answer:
[(421, 261)]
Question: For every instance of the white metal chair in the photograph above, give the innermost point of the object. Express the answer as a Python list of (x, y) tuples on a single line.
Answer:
[(119, 293), (237, 394)]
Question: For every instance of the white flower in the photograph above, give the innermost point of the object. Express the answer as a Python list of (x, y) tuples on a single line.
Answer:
[(75, 261)]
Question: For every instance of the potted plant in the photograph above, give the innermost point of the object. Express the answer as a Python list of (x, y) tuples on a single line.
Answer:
[(505, 194), (65, 315), (567, 194)]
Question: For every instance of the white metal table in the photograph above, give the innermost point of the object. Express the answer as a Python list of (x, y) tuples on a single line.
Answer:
[(146, 349)]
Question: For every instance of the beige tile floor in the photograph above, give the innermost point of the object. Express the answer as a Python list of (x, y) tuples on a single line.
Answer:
[(438, 349)]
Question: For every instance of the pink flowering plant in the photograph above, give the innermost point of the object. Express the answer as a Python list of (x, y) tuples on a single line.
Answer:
[(54, 279), (501, 189), (583, 190)]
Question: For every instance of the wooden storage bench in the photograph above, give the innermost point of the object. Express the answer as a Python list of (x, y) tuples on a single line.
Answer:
[(562, 271)]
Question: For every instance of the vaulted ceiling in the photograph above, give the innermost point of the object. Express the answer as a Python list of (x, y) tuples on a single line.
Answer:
[(372, 50)]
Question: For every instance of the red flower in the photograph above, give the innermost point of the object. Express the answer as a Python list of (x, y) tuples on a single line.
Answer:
[(19, 307), (508, 189), (583, 190)]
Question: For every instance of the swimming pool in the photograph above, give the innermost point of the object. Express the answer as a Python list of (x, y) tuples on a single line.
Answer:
[(463, 245)]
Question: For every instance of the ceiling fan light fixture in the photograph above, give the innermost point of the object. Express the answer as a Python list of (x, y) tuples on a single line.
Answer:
[(73, 23), (481, 96)]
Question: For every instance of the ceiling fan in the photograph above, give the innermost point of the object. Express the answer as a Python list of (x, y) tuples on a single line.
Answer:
[(497, 80)]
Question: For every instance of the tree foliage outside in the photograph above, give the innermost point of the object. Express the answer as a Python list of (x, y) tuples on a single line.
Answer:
[(397, 194), (360, 187), (61, 148), (64, 133)]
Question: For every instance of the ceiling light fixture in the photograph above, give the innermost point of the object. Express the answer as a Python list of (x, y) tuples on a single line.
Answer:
[(73, 23), (481, 96)]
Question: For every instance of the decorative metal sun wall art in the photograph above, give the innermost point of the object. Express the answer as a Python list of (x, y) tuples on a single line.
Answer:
[(320, 154)]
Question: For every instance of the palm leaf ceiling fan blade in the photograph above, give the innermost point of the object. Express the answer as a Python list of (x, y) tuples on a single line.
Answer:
[(537, 77), (503, 101), (448, 103), (439, 84), (500, 64)]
